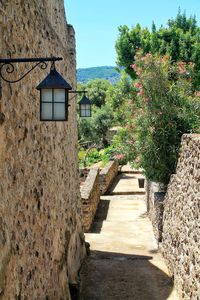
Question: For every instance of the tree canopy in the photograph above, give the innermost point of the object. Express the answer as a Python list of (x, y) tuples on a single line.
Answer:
[(96, 90), (180, 39)]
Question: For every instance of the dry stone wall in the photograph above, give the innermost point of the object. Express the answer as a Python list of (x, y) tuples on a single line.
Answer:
[(96, 183), (181, 230), (154, 197), (107, 175), (41, 239), (90, 195), (83, 173)]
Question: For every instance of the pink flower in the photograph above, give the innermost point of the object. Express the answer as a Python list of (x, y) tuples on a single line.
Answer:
[(133, 66), (132, 142), (140, 93), (182, 68), (138, 71), (137, 160), (137, 85), (148, 55), (119, 156), (146, 99)]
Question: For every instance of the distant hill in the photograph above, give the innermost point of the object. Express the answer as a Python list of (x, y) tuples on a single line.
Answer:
[(106, 72)]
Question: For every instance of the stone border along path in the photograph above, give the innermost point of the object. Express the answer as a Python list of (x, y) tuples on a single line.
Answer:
[(124, 262)]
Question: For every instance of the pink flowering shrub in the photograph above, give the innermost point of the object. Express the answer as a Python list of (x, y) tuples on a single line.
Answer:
[(166, 108), (124, 144), (119, 156)]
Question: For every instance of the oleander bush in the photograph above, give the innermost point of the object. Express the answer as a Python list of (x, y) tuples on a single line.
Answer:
[(166, 108)]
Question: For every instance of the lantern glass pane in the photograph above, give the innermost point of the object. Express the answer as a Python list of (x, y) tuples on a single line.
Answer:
[(82, 110), (46, 95), (87, 112), (82, 113), (59, 111), (59, 95), (46, 112)]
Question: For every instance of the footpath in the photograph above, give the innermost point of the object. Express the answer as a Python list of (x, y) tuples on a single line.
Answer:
[(124, 262)]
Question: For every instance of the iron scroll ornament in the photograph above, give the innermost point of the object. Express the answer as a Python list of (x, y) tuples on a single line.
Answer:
[(7, 66)]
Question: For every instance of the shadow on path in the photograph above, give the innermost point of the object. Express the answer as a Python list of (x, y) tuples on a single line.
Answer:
[(100, 216), (118, 276)]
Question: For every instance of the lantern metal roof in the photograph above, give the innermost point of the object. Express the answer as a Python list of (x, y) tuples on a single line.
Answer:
[(54, 81), (85, 100)]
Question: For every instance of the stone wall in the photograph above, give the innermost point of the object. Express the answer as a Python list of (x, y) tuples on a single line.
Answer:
[(41, 240), (181, 230), (107, 175), (90, 194), (154, 200), (83, 173)]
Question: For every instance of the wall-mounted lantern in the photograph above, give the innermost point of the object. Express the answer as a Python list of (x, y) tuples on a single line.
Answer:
[(54, 97), (54, 89), (85, 106)]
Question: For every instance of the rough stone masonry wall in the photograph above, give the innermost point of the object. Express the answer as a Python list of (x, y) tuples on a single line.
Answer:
[(41, 240), (154, 200), (83, 173), (181, 229), (90, 194), (107, 175)]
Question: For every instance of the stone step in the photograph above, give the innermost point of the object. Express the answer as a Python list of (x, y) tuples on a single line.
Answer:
[(126, 184), (129, 170), (139, 197), (127, 192)]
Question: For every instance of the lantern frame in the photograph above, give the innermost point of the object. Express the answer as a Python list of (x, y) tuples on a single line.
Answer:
[(85, 101), (54, 81)]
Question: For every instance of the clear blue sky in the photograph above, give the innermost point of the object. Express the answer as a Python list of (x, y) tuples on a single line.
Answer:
[(96, 23)]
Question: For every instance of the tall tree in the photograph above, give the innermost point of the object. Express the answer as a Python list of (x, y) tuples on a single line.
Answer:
[(180, 40), (96, 89)]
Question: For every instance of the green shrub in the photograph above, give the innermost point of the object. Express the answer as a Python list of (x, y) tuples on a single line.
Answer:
[(167, 108), (95, 129), (93, 157), (124, 145)]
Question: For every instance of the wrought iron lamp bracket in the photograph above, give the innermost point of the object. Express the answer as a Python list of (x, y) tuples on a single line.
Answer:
[(76, 92), (8, 66)]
